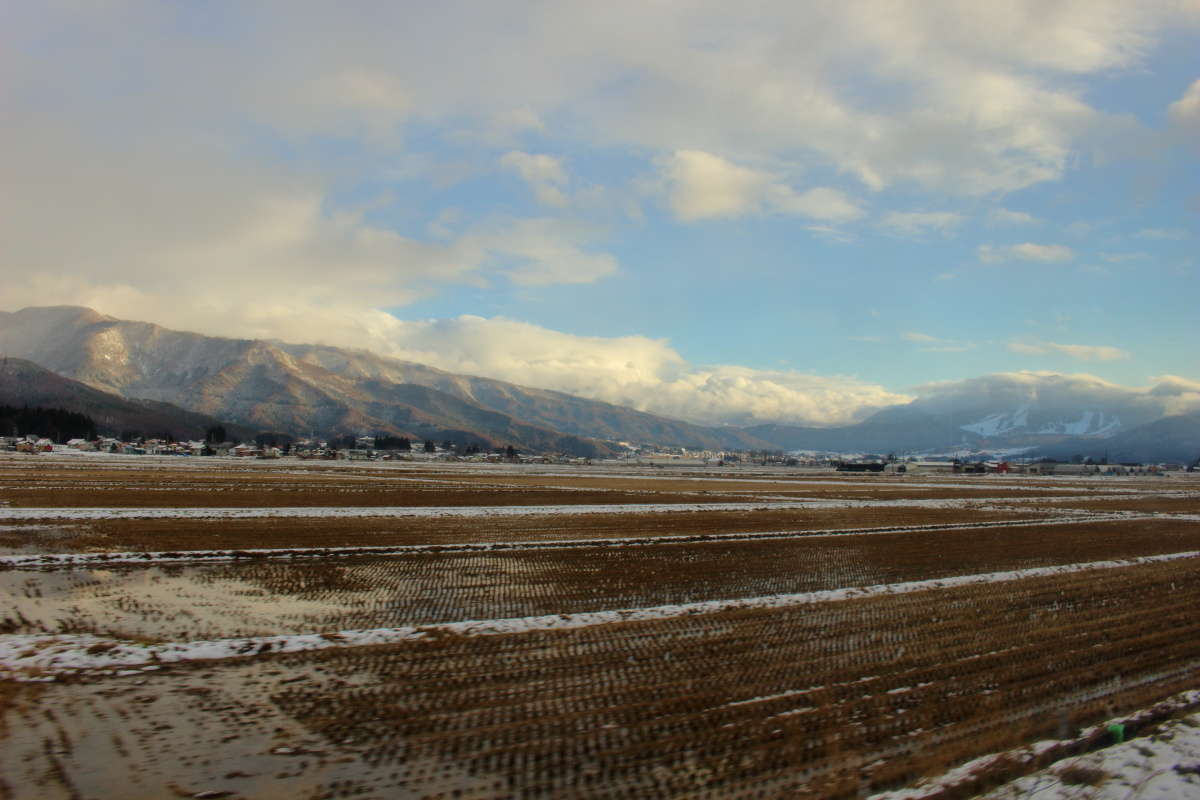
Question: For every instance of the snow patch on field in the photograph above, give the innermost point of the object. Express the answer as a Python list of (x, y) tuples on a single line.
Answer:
[(26, 655), (1164, 765)]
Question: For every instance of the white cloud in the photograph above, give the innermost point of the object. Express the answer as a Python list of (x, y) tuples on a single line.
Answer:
[(544, 174), (919, 223), (1168, 234), (933, 344), (1070, 394), (1081, 352), (1177, 394), (1124, 258), (543, 252), (975, 100), (1185, 112), (702, 186), (916, 336), (237, 251), (647, 374), (1028, 251), (1004, 216)]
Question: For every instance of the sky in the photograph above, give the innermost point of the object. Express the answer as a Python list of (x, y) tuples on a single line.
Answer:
[(729, 213)]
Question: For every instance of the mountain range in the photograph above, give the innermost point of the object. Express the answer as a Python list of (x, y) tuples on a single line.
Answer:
[(267, 385), (26, 384), (1049, 415), (298, 388)]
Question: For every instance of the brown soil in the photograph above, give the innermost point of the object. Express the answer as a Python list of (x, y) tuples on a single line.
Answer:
[(807, 702), (185, 534), (284, 496), (238, 485), (833, 701), (257, 596), (1147, 505)]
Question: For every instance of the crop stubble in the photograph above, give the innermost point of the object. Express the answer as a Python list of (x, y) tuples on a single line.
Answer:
[(824, 700)]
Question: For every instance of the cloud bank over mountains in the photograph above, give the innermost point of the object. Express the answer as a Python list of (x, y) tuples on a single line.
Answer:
[(1169, 395)]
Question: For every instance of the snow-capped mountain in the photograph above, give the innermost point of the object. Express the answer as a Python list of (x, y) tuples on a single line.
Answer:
[(1007, 423), (1000, 412), (298, 388)]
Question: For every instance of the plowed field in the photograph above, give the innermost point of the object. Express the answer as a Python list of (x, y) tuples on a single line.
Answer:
[(416, 629)]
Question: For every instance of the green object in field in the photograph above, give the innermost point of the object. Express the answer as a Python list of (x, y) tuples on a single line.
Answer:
[(1117, 732)]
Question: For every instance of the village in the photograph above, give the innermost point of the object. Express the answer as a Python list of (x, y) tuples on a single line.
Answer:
[(370, 448)]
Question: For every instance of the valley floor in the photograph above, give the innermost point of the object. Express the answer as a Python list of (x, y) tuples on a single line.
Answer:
[(205, 628)]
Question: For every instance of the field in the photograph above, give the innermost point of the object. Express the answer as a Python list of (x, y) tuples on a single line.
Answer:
[(211, 628)]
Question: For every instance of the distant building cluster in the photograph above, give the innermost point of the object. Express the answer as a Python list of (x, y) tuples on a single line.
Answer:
[(370, 448)]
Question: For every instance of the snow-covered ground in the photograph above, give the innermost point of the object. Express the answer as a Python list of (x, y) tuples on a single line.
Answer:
[(1164, 764)]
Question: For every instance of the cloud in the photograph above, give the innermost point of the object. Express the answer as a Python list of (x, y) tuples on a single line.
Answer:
[(543, 252), (933, 344), (238, 252), (544, 174), (919, 223), (1081, 352), (1124, 258), (1185, 112), (943, 95), (915, 336), (1162, 234), (647, 374), (1065, 393), (1004, 216), (1178, 395), (1028, 251), (705, 186)]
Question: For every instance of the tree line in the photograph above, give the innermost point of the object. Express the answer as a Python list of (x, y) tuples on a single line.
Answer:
[(56, 424)]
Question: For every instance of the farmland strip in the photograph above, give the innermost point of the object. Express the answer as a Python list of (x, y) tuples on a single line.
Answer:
[(183, 556), (68, 652)]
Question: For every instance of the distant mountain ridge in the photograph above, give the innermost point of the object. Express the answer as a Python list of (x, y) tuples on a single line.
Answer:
[(1175, 438), (300, 389), (24, 383), (1054, 415), (313, 388)]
